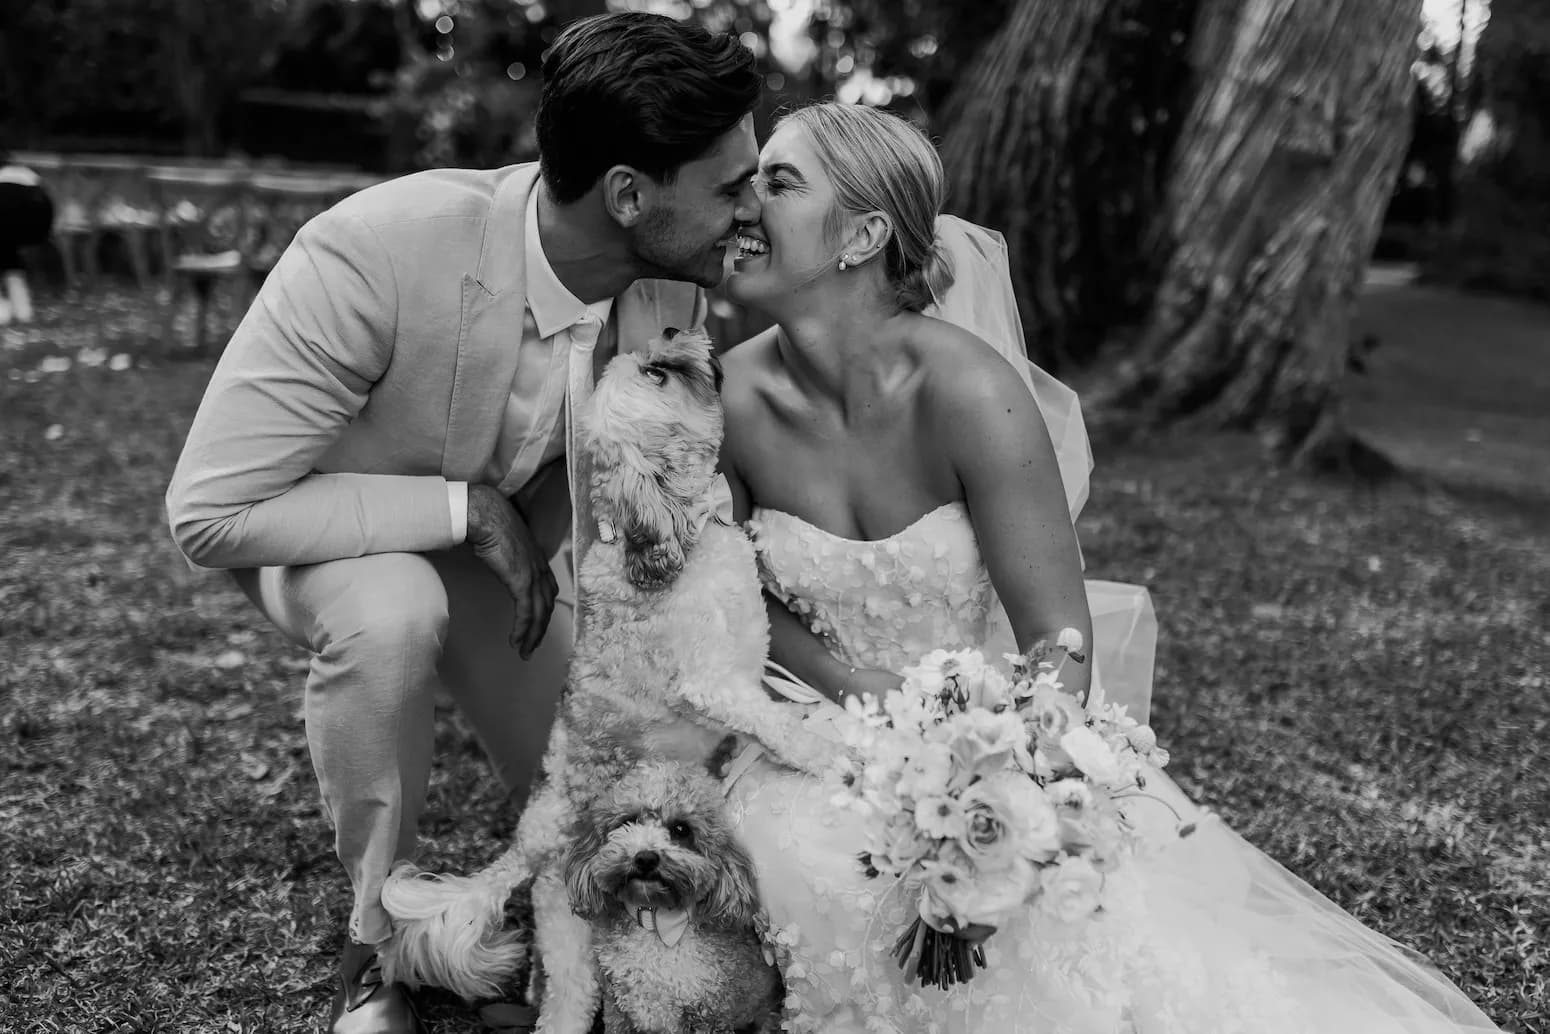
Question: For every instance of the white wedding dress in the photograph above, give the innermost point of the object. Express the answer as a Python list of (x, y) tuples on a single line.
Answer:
[(1210, 937)]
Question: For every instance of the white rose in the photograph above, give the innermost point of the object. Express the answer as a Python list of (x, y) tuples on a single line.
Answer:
[(1008, 818)]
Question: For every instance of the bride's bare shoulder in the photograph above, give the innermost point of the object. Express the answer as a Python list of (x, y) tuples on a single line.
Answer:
[(960, 366)]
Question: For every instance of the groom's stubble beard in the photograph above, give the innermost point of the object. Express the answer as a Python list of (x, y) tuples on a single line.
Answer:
[(661, 247)]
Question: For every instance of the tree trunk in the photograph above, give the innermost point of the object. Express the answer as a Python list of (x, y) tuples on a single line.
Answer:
[(1276, 191), (1058, 138)]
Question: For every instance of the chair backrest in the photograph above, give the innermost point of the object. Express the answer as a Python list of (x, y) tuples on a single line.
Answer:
[(206, 208), (283, 201), (122, 195)]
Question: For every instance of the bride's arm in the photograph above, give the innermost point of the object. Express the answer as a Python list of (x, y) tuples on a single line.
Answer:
[(1000, 449)]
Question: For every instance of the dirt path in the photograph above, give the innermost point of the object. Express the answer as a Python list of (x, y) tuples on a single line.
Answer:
[(1458, 389)]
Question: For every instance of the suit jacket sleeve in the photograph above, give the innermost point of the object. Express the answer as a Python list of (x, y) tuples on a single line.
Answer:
[(297, 371)]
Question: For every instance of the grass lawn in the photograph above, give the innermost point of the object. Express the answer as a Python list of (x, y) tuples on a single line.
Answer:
[(1355, 677)]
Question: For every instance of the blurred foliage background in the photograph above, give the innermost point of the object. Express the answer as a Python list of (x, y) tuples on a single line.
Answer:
[(1089, 198), (396, 85)]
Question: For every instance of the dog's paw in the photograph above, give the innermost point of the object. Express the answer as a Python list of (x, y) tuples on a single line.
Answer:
[(654, 565)]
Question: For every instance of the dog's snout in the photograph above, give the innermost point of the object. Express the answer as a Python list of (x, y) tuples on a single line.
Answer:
[(647, 861)]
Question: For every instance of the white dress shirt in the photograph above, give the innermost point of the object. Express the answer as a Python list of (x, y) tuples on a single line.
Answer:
[(553, 314)]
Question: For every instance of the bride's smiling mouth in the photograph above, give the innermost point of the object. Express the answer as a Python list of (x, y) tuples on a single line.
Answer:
[(750, 246)]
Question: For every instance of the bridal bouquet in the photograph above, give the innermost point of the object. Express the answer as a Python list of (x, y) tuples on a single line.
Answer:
[(986, 792)]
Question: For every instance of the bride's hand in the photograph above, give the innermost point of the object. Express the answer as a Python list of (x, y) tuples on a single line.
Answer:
[(868, 681)]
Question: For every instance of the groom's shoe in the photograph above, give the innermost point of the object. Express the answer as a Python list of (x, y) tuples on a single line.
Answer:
[(363, 1004)]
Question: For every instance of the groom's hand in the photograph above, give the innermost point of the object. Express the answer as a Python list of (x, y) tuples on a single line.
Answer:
[(502, 539)]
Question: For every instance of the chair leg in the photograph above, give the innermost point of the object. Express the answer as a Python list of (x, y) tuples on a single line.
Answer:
[(139, 260), (90, 259), (169, 320), (203, 287), (65, 243)]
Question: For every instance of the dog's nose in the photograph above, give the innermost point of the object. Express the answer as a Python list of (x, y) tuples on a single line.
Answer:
[(646, 861), (670, 332)]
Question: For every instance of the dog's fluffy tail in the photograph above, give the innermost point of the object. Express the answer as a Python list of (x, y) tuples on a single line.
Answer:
[(450, 931)]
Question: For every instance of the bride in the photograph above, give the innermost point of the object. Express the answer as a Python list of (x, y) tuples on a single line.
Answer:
[(899, 477)]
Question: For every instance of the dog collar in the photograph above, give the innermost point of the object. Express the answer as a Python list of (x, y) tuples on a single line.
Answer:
[(668, 924)]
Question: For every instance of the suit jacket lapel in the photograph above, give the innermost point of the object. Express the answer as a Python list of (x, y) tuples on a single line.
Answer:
[(494, 307)]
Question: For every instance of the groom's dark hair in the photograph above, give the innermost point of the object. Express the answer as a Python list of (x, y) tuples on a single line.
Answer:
[(641, 90)]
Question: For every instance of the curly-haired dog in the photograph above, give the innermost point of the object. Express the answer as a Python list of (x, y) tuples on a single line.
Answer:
[(671, 643), (670, 896)]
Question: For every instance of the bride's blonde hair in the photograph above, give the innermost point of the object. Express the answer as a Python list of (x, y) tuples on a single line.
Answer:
[(880, 162)]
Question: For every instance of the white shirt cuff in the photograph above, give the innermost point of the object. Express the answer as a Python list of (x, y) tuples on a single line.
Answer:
[(457, 505)]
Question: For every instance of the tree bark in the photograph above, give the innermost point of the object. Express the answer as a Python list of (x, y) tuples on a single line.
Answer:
[(1276, 191), (1058, 137)]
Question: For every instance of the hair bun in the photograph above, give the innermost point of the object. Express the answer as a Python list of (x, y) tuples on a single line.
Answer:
[(922, 285)]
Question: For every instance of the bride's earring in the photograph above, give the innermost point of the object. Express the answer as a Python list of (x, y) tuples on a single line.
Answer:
[(844, 263)]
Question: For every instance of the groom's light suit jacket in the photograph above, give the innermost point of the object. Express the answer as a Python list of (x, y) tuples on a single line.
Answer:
[(374, 367)]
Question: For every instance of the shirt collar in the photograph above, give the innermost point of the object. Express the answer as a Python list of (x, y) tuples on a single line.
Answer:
[(553, 306)]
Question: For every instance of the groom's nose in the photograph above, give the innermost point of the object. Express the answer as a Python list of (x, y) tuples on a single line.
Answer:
[(749, 209)]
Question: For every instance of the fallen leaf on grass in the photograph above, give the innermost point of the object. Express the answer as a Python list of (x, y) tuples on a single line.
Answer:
[(231, 659), (273, 787), (229, 712), (54, 432), (254, 767)]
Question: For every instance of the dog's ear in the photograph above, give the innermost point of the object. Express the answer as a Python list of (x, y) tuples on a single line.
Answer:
[(588, 899), (628, 491), (720, 759), (734, 896)]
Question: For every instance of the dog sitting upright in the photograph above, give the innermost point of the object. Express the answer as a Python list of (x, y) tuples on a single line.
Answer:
[(670, 650), (670, 895)]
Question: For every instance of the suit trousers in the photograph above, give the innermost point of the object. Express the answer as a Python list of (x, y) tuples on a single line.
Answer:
[(385, 632)]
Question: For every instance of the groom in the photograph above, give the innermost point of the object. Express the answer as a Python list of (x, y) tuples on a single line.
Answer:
[(380, 456)]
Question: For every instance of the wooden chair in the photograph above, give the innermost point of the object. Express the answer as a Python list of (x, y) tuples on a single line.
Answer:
[(73, 192), (123, 206), (282, 203), (205, 225)]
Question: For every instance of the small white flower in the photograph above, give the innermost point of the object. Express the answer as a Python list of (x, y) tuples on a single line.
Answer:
[(1091, 754), (940, 817), (927, 772)]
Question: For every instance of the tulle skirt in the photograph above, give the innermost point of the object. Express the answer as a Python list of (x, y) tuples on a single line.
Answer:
[(1208, 936)]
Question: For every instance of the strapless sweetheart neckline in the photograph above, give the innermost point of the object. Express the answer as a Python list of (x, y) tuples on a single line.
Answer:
[(762, 512)]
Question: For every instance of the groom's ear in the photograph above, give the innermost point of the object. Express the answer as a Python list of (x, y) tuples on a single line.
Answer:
[(869, 236), (626, 194)]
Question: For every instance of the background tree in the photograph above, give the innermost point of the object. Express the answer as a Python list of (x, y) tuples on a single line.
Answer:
[(1500, 238), (1217, 252)]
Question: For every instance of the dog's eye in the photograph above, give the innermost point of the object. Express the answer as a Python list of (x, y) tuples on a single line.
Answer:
[(681, 831), (656, 375)]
